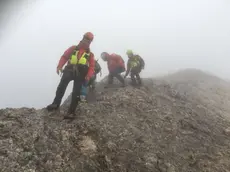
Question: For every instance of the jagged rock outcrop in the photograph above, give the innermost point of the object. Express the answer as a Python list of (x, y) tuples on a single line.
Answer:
[(158, 128)]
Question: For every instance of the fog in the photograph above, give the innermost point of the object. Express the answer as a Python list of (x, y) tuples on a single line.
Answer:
[(168, 34)]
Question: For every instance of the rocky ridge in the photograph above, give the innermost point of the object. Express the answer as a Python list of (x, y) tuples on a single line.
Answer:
[(171, 124)]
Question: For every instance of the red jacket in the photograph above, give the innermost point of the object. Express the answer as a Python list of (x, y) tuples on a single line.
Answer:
[(115, 61), (82, 48)]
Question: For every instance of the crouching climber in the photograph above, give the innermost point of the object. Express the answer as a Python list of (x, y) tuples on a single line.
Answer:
[(80, 67), (116, 66), (134, 65), (91, 83)]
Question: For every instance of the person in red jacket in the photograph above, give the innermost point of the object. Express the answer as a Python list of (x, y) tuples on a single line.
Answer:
[(80, 68), (115, 65)]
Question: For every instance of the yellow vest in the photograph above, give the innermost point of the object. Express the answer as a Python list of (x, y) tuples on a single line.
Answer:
[(134, 61), (83, 59)]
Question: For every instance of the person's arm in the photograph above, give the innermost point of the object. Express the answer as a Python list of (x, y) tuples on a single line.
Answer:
[(65, 57), (128, 69), (91, 67)]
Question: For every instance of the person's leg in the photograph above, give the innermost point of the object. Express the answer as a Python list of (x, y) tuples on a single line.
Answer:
[(91, 96), (110, 78), (83, 92), (133, 80), (94, 82), (66, 78), (75, 95), (134, 75), (120, 78), (78, 82), (138, 79), (117, 74), (84, 88)]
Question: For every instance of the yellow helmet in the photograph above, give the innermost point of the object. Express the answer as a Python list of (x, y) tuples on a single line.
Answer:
[(129, 52)]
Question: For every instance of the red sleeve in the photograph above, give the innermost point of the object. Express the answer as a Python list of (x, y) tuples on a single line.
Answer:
[(65, 57), (91, 66)]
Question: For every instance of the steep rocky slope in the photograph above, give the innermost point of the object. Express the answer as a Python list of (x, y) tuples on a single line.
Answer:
[(166, 126), (208, 90)]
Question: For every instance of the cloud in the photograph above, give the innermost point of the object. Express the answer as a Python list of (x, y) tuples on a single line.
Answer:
[(168, 34)]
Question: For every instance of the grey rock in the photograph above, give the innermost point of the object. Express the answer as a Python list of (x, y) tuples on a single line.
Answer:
[(172, 123)]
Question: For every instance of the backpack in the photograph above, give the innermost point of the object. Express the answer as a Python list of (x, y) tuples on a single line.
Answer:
[(97, 67), (141, 61), (119, 57)]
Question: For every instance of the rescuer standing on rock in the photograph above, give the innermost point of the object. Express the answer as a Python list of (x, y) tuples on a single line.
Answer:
[(115, 65), (80, 67), (134, 65)]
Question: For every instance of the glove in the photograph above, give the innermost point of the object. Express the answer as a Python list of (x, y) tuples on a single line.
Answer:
[(87, 79), (59, 70)]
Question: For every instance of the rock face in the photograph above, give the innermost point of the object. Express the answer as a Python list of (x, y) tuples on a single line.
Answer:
[(169, 125), (203, 88)]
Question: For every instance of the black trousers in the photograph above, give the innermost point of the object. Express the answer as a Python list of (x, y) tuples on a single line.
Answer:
[(135, 75), (77, 76), (116, 73)]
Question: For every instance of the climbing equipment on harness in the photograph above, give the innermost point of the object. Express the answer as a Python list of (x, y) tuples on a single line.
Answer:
[(134, 61), (83, 60)]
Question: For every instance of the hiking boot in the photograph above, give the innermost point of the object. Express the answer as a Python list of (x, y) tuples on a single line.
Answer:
[(139, 85), (70, 116), (123, 85), (52, 107), (107, 86), (134, 84), (83, 98)]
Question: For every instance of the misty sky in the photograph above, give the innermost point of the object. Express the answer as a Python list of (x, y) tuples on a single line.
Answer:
[(168, 34)]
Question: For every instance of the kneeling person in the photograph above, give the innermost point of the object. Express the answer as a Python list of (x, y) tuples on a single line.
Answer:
[(115, 65)]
